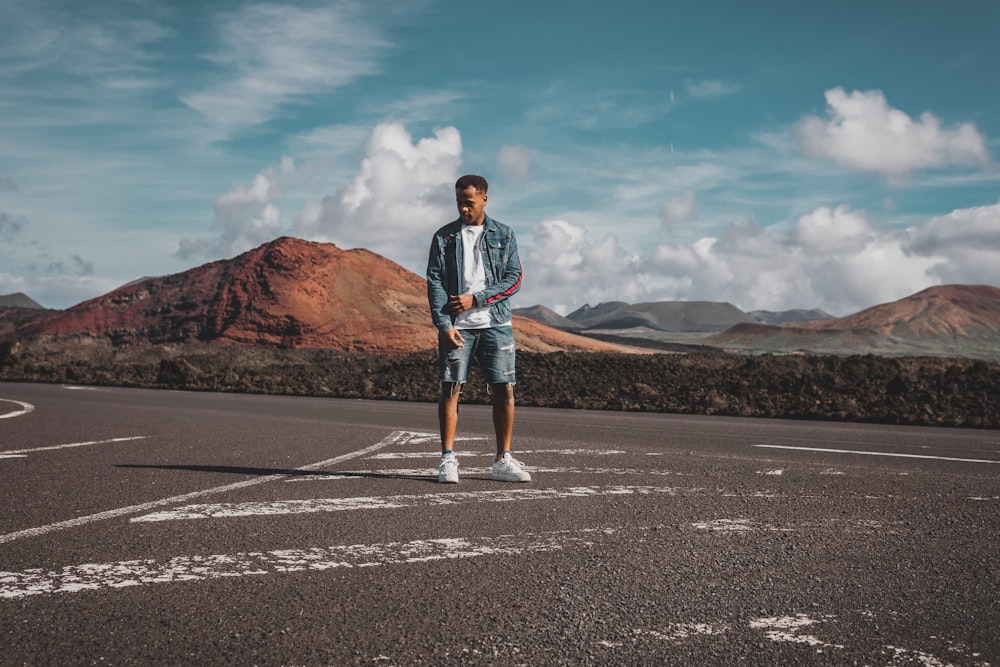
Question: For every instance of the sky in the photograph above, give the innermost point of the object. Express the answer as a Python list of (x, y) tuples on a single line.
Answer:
[(772, 155)]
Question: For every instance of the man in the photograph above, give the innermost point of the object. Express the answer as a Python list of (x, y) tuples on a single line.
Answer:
[(472, 270)]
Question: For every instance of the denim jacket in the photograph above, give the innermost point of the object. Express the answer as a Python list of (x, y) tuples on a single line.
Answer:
[(500, 260)]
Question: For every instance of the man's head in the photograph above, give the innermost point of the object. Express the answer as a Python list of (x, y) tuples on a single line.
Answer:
[(470, 196)]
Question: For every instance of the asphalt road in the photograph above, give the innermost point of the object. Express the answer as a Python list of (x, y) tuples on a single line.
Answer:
[(171, 528)]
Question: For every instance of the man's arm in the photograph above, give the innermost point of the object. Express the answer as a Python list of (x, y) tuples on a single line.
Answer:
[(510, 281), (437, 293)]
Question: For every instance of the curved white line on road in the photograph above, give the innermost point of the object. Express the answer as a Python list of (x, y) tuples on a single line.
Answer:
[(891, 454), (25, 408), (396, 437)]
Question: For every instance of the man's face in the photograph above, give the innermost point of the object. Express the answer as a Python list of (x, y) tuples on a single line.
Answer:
[(471, 205)]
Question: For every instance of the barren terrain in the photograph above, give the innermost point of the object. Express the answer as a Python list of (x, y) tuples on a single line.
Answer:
[(926, 391)]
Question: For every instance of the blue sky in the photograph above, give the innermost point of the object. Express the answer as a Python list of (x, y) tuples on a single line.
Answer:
[(773, 155)]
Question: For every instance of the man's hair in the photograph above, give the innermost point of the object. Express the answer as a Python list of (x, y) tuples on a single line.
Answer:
[(478, 182)]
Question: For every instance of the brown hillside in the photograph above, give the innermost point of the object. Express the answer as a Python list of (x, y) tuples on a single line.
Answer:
[(948, 320), (946, 310), (287, 293)]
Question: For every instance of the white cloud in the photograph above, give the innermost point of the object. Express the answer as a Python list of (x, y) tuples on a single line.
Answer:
[(967, 241), (863, 132), (831, 258), (565, 269), (403, 191), (277, 53), (828, 231), (679, 209), (245, 216)]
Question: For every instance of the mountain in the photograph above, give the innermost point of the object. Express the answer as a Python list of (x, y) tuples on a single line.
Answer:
[(287, 293), (661, 316), (947, 320), (786, 316), (548, 317), (18, 300)]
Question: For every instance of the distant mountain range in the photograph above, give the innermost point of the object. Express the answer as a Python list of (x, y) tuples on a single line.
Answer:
[(687, 316), (298, 294), (948, 320)]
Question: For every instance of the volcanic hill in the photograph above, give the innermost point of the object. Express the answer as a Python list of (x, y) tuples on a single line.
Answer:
[(946, 320), (287, 293)]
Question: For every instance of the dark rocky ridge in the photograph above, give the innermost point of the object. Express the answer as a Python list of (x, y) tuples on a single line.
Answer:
[(919, 391)]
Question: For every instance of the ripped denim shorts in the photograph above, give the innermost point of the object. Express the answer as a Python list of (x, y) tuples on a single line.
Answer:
[(493, 347)]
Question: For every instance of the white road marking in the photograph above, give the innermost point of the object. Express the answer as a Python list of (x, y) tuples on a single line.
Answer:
[(676, 632), (465, 454), (394, 438), (109, 576), (470, 471), (787, 629), (69, 445), (25, 408), (854, 451), (219, 510)]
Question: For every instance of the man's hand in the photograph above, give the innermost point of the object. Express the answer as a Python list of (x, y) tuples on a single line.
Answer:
[(454, 338), (461, 303)]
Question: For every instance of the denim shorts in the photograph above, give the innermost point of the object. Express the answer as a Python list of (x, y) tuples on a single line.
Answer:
[(493, 347)]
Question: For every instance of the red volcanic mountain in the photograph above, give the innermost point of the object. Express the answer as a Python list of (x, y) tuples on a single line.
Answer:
[(969, 311), (947, 320), (287, 293)]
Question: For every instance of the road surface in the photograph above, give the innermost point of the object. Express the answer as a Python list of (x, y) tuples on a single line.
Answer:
[(166, 528)]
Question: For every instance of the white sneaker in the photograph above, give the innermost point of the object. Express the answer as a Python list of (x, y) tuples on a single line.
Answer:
[(509, 469), (448, 470)]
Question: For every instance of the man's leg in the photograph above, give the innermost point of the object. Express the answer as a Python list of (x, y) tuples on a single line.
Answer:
[(503, 415), (448, 414)]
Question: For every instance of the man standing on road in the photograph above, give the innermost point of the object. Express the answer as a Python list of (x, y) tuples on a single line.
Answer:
[(472, 270)]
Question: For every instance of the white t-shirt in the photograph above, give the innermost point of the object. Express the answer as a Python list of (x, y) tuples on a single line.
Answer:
[(473, 279)]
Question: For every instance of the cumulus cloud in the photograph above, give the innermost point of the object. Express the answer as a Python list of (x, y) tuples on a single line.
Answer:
[(274, 53), (245, 216), (834, 258), (566, 269), (515, 162), (679, 209), (966, 240), (861, 131), (403, 191), (827, 231)]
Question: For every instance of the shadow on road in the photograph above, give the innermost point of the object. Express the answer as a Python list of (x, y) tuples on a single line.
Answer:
[(279, 472)]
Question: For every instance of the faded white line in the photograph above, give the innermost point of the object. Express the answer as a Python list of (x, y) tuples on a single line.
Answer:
[(855, 451), (395, 438), (462, 454), (788, 629), (469, 471), (69, 445), (109, 576), (220, 510), (25, 408)]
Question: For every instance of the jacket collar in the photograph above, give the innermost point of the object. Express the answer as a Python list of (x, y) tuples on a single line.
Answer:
[(488, 223)]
